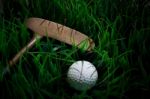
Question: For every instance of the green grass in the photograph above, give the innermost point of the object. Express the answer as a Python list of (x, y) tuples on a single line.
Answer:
[(119, 28)]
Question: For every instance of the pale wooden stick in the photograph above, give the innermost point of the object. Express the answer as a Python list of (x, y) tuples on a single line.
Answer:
[(24, 49), (21, 52)]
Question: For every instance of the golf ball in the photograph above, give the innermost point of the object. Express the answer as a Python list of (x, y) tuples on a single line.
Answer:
[(82, 75)]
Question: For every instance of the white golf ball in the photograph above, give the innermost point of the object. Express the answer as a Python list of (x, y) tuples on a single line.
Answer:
[(82, 75)]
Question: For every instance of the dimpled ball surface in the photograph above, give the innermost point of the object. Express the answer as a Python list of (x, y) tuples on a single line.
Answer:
[(82, 75)]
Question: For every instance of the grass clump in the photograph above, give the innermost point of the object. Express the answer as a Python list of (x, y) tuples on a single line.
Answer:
[(120, 30)]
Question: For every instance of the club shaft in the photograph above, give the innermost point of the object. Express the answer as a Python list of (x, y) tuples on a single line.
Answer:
[(23, 50)]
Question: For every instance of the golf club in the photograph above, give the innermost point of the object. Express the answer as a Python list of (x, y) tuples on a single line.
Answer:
[(42, 27)]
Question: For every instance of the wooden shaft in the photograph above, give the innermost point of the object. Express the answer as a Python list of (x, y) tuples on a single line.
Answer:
[(23, 50)]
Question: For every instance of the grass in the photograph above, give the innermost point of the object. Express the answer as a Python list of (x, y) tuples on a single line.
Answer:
[(120, 31)]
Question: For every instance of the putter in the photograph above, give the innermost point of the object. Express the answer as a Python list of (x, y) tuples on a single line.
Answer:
[(46, 28)]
